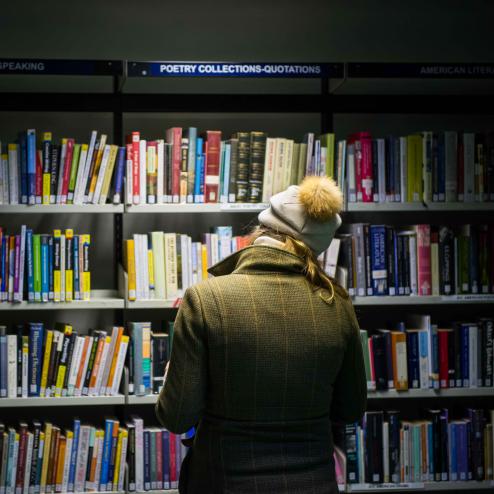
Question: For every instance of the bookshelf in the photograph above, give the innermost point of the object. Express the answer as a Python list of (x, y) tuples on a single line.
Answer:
[(327, 102)]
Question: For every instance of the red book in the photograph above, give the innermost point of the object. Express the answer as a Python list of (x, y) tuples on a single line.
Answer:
[(39, 177), (21, 460), (212, 170), (136, 193), (174, 137), (159, 460), (173, 460), (460, 170), (424, 278), (366, 177), (443, 337), (66, 170)]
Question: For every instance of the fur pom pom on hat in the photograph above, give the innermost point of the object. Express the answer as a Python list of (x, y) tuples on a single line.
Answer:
[(308, 212)]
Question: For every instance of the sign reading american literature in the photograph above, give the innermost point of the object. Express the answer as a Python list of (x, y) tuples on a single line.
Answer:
[(423, 70), (234, 69), (59, 67)]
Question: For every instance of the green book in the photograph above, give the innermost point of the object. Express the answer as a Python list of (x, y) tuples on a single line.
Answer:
[(170, 336), (365, 350), (73, 173), (37, 267)]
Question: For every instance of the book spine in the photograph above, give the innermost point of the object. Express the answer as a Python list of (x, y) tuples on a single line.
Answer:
[(119, 176), (69, 152), (379, 275), (211, 190), (424, 260)]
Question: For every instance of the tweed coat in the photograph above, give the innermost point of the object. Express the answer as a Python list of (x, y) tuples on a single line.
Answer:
[(262, 365)]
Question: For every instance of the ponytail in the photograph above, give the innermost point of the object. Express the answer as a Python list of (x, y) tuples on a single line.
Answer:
[(313, 271)]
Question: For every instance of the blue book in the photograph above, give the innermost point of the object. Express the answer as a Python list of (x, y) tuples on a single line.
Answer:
[(105, 460), (191, 163), (379, 273), (23, 166), (197, 175), (36, 338), (441, 169), (462, 451), (113, 451), (464, 356), (453, 454), (119, 176), (77, 274), (165, 444), (147, 460), (31, 166), (11, 466), (430, 448), (225, 179), (3, 362), (45, 277), (50, 267), (30, 265), (73, 455), (413, 359), (425, 380)]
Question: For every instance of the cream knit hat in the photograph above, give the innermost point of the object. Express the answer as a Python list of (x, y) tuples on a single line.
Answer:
[(308, 212)]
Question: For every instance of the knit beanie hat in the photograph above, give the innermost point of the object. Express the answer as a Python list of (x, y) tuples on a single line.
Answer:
[(308, 212)]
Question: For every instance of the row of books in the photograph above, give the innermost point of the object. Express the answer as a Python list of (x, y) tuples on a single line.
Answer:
[(422, 167), (149, 352), (385, 448), (44, 458), (63, 173), (163, 265), (415, 260), (37, 361), (430, 357), (44, 267), (155, 457)]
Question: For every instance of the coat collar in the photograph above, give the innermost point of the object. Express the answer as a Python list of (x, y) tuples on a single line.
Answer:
[(260, 259)]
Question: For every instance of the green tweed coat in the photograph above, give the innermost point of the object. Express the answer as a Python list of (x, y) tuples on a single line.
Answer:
[(262, 365)]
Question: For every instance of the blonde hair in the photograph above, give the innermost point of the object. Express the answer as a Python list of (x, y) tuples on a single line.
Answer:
[(313, 271)]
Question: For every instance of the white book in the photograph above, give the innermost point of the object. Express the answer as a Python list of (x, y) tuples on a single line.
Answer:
[(171, 265), (160, 169), (159, 265), (139, 456), (331, 258), (13, 174), (350, 165), (63, 153), (472, 356), (451, 164), (97, 390), (74, 366), (123, 456), (117, 378), (94, 198), (128, 180), (185, 261), (62, 268), (28, 462), (84, 364), (74, 196), (269, 160), (194, 274), (145, 268), (80, 189), (5, 178), (112, 351), (468, 168), (11, 366), (66, 464), (278, 165), (142, 171), (199, 261), (81, 460), (189, 264), (138, 266), (215, 255), (99, 458), (385, 452), (287, 163)]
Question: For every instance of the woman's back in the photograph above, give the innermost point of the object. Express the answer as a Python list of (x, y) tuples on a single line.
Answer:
[(278, 360)]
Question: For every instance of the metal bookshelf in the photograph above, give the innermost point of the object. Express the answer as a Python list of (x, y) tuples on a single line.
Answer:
[(420, 300), (430, 393), (61, 208), (397, 207), (422, 486), (35, 401), (196, 208)]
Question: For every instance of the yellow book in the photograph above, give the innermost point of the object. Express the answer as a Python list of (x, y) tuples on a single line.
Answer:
[(57, 282), (46, 456), (109, 383), (204, 251), (60, 463), (62, 368), (97, 164), (131, 268), (46, 167), (69, 265), (46, 362), (411, 163), (117, 459), (86, 274), (151, 270), (108, 174)]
